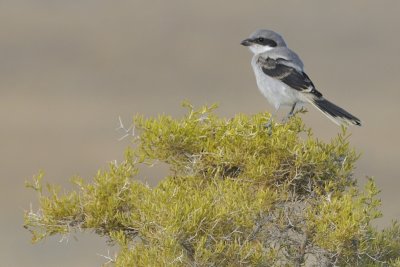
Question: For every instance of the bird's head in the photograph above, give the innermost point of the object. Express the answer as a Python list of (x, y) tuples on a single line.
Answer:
[(263, 40)]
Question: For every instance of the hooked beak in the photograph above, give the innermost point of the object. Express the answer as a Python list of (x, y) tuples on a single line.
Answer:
[(246, 42)]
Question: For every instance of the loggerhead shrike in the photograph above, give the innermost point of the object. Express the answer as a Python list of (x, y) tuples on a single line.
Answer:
[(282, 80)]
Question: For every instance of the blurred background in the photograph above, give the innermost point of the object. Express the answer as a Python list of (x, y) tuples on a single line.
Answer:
[(68, 69)]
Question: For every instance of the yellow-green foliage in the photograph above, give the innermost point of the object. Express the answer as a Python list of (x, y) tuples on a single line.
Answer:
[(238, 194)]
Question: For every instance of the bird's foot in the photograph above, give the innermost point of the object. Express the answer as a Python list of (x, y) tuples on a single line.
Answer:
[(301, 110), (294, 113), (287, 118), (268, 126)]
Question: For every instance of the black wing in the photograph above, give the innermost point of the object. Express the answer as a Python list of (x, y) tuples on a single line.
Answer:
[(276, 68)]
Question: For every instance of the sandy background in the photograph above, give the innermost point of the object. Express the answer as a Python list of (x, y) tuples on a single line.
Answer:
[(68, 69)]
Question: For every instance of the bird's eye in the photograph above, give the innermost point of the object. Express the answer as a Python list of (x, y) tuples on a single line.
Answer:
[(261, 40)]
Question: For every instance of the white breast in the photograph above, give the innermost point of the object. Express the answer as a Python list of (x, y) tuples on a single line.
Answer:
[(276, 92)]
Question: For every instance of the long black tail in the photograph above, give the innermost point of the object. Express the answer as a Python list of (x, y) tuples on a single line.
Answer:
[(335, 113)]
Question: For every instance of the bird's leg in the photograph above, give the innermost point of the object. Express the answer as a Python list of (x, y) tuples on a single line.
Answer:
[(291, 113), (268, 125), (292, 110)]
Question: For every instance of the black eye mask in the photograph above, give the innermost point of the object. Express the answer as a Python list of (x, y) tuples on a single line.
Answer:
[(265, 41)]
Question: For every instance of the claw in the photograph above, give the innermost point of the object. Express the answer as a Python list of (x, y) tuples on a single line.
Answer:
[(287, 118), (268, 126), (290, 114)]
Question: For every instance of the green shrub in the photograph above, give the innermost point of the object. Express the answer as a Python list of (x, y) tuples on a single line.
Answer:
[(237, 194)]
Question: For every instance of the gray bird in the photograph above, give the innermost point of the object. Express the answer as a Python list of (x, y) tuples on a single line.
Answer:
[(282, 80)]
